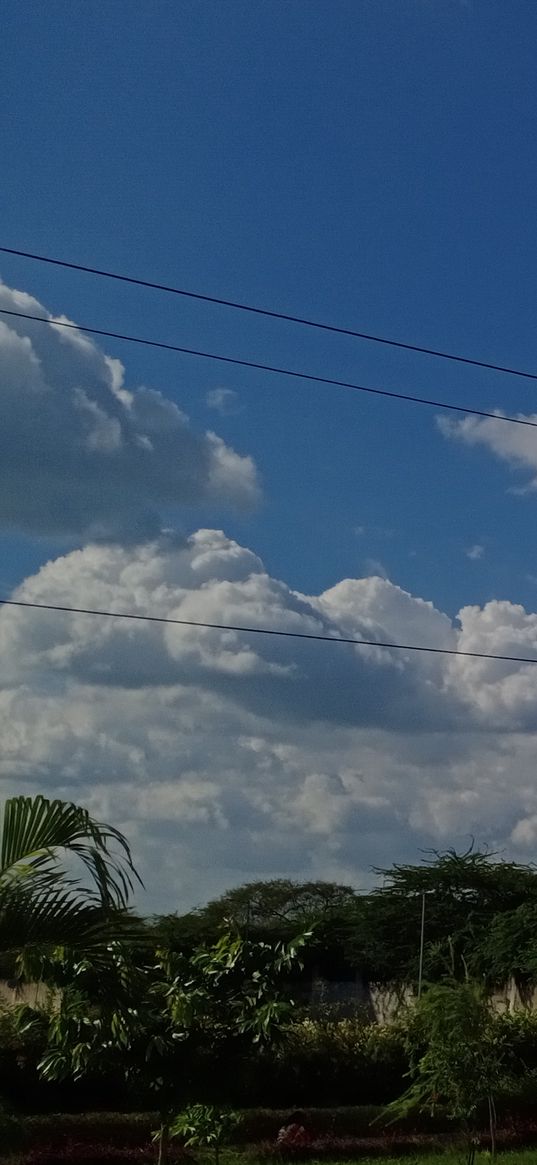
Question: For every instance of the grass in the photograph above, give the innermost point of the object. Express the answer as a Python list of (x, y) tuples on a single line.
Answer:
[(449, 1157)]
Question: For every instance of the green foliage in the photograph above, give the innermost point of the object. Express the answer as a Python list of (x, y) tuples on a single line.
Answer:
[(473, 878), (272, 912), (34, 830), (458, 1055), (279, 902), (310, 1062), (42, 902), (150, 1022), (26, 1040), (327, 1060), (204, 1126), (464, 894), (508, 946), (338, 1061), (481, 917), (258, 1127)]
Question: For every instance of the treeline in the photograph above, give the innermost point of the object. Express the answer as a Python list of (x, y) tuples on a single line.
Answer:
[(480, 919), (204, 1008), (480, 922), (318, 1061)]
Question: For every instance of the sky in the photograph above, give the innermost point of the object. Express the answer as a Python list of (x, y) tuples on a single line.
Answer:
[(368, 163)]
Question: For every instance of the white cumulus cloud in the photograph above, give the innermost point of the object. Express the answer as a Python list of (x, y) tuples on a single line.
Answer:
[(82, 454), (223, 400), (515, 444), (228, 756)]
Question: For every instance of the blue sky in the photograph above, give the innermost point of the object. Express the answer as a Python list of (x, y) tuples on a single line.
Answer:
[(369, 163)]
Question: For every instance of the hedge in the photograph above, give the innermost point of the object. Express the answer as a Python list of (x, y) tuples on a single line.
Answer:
[(258, 1125), (321, 1063), (338, 1134)]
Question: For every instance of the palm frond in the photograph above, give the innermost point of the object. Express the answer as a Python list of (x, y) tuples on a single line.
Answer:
[(35, 831), (45, 930)]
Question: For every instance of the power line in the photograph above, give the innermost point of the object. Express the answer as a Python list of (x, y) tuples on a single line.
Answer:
[(264, 631), (437, 404), (275, 315)]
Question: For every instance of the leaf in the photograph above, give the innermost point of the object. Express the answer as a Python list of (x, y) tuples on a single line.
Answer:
[(34, 829), (43, 907)]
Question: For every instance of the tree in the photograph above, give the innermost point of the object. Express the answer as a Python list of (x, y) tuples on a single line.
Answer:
[(276, 905), (152, 1022), (466, 896), (44, 901), (457, 1057), (508, 947), (472, 879), (464, 893), (274, 911)]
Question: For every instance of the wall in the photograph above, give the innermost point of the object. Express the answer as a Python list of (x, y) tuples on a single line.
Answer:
[(382, 1003)]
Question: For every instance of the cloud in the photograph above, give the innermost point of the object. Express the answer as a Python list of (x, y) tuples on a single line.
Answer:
[(524, 833), (82, 455), (224, 401), (374, 566), (227, 756), (374, 531), (475, 552), (515, 444)]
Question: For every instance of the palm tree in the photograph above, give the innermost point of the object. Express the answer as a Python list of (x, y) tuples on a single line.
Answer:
[(65, 880)]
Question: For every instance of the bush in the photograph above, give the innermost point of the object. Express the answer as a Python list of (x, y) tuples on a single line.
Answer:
[(520, 1032), (86, 1153), (124, 1129), (351, 1148), (344, 1061), (20, 1082), (324, 1061), (11, 1132), (395, 1145), (130, 1130), (125, 1138), (357, 1122), (89, 1153), (263, 1124)]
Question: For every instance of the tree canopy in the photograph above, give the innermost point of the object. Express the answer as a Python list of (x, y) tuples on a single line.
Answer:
[(480, 916)]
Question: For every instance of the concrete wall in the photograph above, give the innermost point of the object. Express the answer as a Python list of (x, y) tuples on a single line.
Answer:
[(379, 1003), (382, 1004), (32, 993)]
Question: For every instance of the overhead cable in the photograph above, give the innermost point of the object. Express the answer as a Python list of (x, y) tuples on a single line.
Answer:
[(405, 396), (272, 314), (310, 635)]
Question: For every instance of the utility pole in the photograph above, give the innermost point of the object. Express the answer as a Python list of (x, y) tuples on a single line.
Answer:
[(422, 943)]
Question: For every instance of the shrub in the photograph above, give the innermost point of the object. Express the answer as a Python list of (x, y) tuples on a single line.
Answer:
[(262, 1125), (87, 1154), (11, 1131), (127, 1130), (131, 1130), (338, 1061), (98, 1153), (126, 1138), (204, 1126), (519, 1030), (322, 1061), (351, 1148)]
